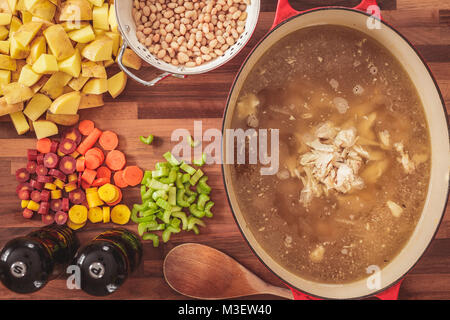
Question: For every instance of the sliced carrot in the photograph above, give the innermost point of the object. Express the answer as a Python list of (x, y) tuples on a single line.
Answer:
[(89, 141), (44, 145), (115, 160), (80, 164), (104, 172), (100, 181), (85, 186), (86, 127), (92, 161), (97, 152), (89, 175), (108, 140), (117, 201), (133, 175), (119, 180)]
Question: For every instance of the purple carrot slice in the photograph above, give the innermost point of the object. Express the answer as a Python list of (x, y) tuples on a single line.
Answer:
[(51, 160), (40, 158), (45, 195), (57, 174), (67, 165), (44, 179), (36, 184), (56, 205), (61, 217), (24, 195), (54, 146), (31, 166), (24, 186), (41, 170), (72, 134), (67, 146), (22, 175), (44, 208), (77, 196), (47, 218), (35, 196), (32, 154), (27, 213), (65, 204)]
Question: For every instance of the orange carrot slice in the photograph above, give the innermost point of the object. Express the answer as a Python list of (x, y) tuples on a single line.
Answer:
[(119, 180), (89, 141), (81, 164), (100, 181), (89, 175), (118, 200), (104, 172), (92, 161), (133, 175), (115, 160), (85, 186), (108, 140), (86, 127), (97, 152), (44, 145)]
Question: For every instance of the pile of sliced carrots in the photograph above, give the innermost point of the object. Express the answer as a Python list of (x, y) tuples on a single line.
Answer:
[(95, 167)]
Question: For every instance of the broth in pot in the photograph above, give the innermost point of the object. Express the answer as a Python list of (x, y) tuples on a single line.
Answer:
[(354, 154)]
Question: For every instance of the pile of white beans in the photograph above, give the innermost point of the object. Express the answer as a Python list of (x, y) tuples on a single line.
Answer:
[(189, 33)]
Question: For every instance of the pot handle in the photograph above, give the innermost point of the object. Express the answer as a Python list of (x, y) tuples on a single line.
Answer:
[(136, 78), (389, 294), (285, 11)]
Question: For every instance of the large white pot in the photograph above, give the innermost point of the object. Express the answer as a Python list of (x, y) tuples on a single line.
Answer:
[(435, 115)]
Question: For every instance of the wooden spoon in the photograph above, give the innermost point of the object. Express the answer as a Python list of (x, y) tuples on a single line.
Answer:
[(202, 272)]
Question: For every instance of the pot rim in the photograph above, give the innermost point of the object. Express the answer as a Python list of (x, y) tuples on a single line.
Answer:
[(299, 15)]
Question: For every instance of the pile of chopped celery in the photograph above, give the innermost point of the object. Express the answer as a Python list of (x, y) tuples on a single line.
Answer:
[(168, 202)]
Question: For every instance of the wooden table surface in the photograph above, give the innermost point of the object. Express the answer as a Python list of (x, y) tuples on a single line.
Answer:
[(176, 103)]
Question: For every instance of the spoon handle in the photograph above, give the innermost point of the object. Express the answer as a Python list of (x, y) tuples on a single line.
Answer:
[(280, 292)]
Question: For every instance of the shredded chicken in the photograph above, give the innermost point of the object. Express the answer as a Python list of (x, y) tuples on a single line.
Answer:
[(332, 163), (404, 159)]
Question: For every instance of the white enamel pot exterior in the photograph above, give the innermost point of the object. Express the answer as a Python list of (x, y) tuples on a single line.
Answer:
[(435, 116)]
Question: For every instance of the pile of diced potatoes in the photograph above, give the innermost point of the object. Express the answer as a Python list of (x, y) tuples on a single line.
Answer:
[(53, 60)]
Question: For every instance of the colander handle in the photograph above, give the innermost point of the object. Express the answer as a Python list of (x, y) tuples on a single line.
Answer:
[(285, 11), (136, 78)]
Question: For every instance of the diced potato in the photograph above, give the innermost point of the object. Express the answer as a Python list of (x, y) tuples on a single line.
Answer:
[(99, 49), (117, 83), (67, 89), (28, 77), (43, 9), (100, 17), (38, 46), (30, 3), (396, 210), (17, 51), (99, 32), (4, 47), (16, 92), (78, 83), (26, 16), (96, 86), (108, 63), (44, 129), (71, 65), (54, 87), (97, 3), (4, 33), (131, 60), (14, 26), (112, 19), (66, 104), (116, 42), (84, 35), (26, 33), (74, 25), (93, 69), (37, 106), (58, 41), (5, 78), (16, 74), (75, 10), (63, 119), (6, 108), (46, 64), (12, 5), (91, 101), (20, 122), (6, 63), (5, 18), (38, 85)]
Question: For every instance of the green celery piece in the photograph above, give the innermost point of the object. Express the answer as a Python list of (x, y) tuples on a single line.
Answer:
[(202, 186), (147, 140), (202, 200), (197, 175), (155, 184), (153, 237), (194, 210), (171, 159), (208, 207), (187, 168), (182, 216), (172, 196), (192, 221)]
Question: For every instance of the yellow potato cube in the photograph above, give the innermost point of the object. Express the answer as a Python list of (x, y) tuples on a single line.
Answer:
[(74, 25), (14, 26), (84, 35), (5, 78), (46, 63), (78, 83), (26, 16), (93, 69), (66, 104), (4, 33), (16, 50), (91, 101), (97, 3), (96, 86), (5, 18), (4, 47), (20, 122), (99, 49), (112, 19), (54, 87), (71, 65), (117, 83), (12, 6), (30, 3), (16, 92), (6, 108), (6, 63), (37, 106), (76, 10), (131, 59), (43, 9), (38, 47), (100, 17), (58, 41), (28, 77), (25, 34), (44, 129), (116, 42)]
